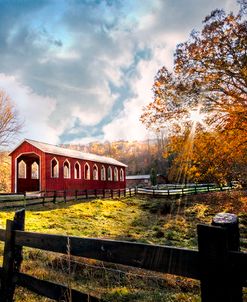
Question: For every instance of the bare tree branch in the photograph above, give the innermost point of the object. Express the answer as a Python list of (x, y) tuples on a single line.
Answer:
[(10, 125)]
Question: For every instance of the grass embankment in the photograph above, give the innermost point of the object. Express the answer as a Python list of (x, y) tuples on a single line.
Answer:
[(154, 221)]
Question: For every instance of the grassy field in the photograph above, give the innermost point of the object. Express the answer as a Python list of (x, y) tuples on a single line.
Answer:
[(154, 221)]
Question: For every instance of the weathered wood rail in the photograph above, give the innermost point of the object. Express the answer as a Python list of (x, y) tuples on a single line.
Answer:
[(218, 262), (180, 190)]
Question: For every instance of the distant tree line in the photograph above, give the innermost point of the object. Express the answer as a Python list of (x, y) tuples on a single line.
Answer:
[(140, 156)]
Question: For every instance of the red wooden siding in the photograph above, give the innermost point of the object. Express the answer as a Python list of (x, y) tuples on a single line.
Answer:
[(72, 183)]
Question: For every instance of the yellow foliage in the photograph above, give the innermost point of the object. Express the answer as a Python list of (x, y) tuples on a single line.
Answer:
[(198, 209), (4, 172)]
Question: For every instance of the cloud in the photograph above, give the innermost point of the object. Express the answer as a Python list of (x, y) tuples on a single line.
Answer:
[(88, 66), (75, 67), (33, 109), (158, 31), (127, 124)]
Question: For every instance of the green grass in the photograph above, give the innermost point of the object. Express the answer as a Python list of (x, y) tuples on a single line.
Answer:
[(154, 221), (98, 218)]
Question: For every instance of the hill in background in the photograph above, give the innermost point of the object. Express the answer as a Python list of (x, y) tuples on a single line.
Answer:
[(140, 156)]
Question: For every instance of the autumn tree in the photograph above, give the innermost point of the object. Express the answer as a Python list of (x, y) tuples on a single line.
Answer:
[(209, 158), (10, 124), (207, 90), (4, 172)]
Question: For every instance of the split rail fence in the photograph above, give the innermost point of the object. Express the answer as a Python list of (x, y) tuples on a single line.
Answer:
[(218, 262), (181, 190), (43, 197)]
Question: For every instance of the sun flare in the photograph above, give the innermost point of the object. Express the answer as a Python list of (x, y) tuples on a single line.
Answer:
[(196, 116)]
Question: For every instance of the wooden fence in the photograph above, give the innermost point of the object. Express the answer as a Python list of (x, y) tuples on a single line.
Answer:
[(43, 197), (218, 263), (182, 190)]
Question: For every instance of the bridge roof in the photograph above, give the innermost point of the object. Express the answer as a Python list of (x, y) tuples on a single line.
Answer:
[(56, 150)]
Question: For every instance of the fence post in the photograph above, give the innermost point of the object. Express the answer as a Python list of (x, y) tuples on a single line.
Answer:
[(54, 196), (24, 199), (64, 195), (76, 194), (218, 281), (103, 193), (43, 199), (86, 194), (112, 194), (130, 192), (195, 190), (12, 256), (119, 193), (95, 193), (124, 192)]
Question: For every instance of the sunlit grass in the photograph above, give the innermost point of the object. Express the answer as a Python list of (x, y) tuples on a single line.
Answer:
[(98, 218)]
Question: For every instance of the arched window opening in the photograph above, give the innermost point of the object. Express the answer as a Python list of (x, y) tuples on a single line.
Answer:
[(35, 171), (86, 171), (121, 175), (54, 168), (102, 173), (77, 170), (115, 174), (109, 173), (95, 172), (66, 169), (22, 169)]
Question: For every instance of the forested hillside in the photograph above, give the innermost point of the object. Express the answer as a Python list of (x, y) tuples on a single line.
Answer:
[(140, 156)]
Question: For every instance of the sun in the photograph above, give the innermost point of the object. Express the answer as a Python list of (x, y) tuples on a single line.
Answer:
[(196, 116)]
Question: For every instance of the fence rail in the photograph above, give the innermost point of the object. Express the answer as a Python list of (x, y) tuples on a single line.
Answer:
[(158, 258), (182, 190), (218, 263)]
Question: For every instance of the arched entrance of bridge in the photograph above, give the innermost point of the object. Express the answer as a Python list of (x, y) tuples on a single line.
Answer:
[(27, 178)]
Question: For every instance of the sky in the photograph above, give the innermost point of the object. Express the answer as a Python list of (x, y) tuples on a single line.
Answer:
[(82, 70)]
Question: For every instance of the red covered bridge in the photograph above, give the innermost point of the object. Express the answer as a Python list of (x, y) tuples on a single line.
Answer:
[(39, 166)]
